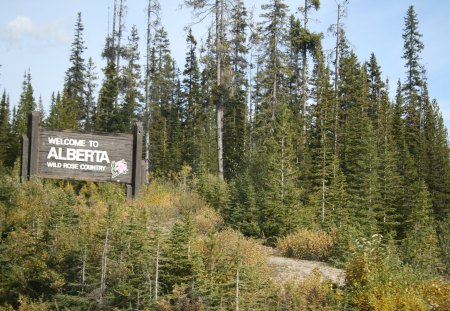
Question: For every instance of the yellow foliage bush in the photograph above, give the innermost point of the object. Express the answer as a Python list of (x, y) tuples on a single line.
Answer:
[(307, 244), (437, 294), (313, 293)]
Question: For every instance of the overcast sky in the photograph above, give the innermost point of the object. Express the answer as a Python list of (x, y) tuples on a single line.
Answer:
[(37, 35)]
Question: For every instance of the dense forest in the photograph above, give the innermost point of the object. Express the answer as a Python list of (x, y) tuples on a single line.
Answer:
[(262, 140)]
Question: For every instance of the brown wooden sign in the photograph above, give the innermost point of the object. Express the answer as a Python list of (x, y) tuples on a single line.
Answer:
[(85, 156), (74, 155)]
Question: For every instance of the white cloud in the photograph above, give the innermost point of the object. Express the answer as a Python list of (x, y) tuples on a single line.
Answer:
[(21, 30)]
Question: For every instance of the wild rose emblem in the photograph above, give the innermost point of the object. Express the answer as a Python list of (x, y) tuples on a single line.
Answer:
[(118, 168)]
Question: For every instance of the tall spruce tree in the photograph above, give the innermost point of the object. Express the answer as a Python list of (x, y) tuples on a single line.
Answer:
[(207, 85), (321, 137), (75, 77), (359, 154), (91, 85), (412, 87), (107, 114), (421, 243), (164, 109), (131, 82), (4, 129), (27, 104), (193, 117), (435, 159), (235, 108)]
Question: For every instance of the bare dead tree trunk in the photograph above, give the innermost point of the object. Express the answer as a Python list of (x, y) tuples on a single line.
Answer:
[(103, 271), (83, 270), (237, 290), (157, 271), (219, 47), (113, 34), (119, 35), (153, 8)]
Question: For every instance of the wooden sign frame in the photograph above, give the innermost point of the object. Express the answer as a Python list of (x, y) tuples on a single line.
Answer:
[(72, 155)]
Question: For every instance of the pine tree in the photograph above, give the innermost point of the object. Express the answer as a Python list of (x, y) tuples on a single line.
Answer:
[(242, 211), (273, 74), (308, 44), (91, 85), (207, 78), (131, 82), (26, 105), (275, 179), (75, 77), (339, 51), (414, 83), (193, 112), (404, 163), (391, 190), (59, 117), (4, 129), (180, 264), (435, 164), (107, 114), (338, 205), (164, 132), (376, 88), (321, 136), (235, 108), (359, 153), (421, 243)]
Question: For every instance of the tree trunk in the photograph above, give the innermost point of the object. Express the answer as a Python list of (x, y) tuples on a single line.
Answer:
[(219, 36), (103, 271)]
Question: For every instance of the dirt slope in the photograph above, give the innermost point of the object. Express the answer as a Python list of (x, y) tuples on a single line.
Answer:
[(294, 269)]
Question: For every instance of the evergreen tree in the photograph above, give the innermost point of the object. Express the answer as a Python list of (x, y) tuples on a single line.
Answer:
[(359, 153), (219, 9), (274, 176), (321, 136), (131, 82), (376, 89), (4, 129), (421, 243), (107, 114), (404, 163), (91, 85), (235, 108), (307, 44), (181, 262), (26, 105), (207, 78), (412, 47), (242, 211), (435, 164), (59, 117), (75, 77), (164, 131), (391, 189), (193, 117), (272, 78)]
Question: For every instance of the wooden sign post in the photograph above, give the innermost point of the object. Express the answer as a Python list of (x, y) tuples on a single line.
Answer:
[(73, 155)]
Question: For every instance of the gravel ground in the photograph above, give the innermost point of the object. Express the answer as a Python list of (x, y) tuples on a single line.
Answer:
[(285, 269)]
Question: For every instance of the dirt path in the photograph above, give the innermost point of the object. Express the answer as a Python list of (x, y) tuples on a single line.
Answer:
[(295, 269)]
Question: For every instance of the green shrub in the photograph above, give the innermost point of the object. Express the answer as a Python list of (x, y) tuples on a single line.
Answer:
[(307, 244)]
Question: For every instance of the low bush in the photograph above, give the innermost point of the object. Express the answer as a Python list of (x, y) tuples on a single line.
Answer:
[(307, 244)]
